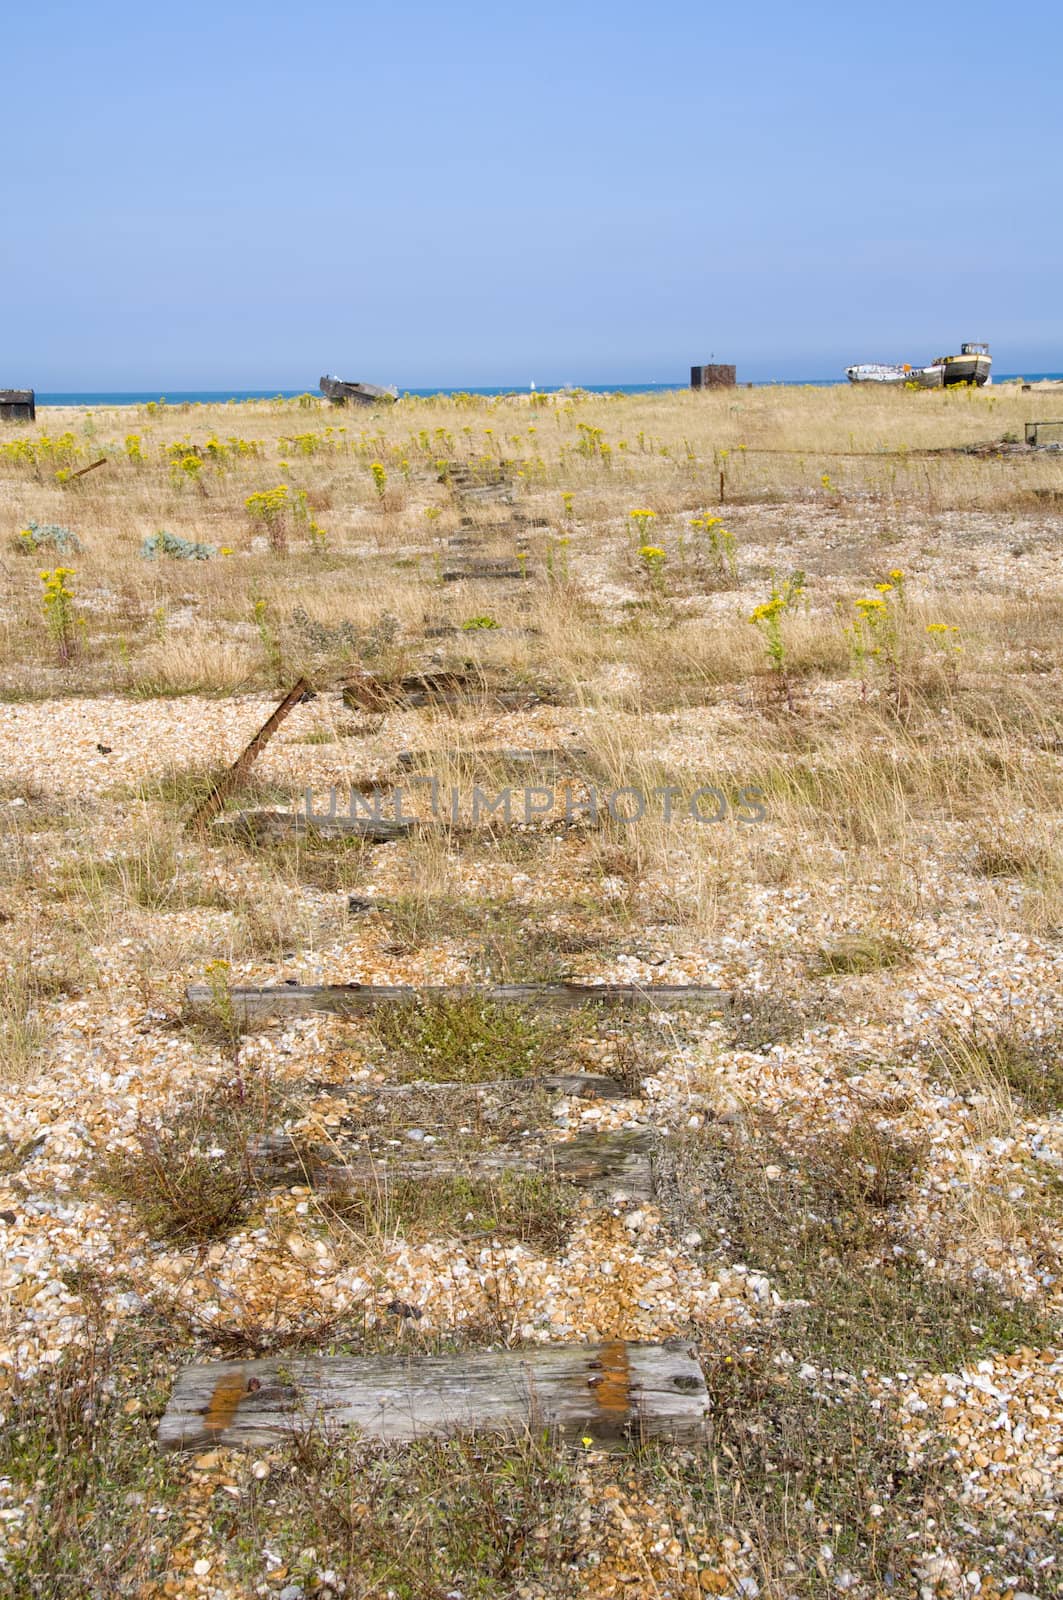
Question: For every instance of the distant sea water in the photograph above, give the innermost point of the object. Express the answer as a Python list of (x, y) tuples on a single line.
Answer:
[(214, 397)]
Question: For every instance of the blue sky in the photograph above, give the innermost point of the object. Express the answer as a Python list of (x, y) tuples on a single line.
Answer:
[(250, 195)]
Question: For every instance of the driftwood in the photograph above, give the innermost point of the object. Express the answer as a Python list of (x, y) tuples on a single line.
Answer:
[(610, 1165), (251, 1005), (578, 1085), (241, 766), (613, 1394)]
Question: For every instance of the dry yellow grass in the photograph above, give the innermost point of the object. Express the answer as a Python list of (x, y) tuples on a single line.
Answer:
[(905, 878), (149, 623)]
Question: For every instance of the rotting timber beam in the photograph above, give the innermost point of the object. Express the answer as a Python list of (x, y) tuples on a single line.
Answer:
[(577, 1085), (549, 758), (615, 1394), (279, 825), (250, 1005), (610, 1165)]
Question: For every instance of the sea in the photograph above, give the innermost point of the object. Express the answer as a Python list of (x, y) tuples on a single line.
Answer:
[(214, 397)]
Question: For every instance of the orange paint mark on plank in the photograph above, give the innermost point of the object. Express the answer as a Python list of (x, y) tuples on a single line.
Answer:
[(613, 1391), (224, 1402)]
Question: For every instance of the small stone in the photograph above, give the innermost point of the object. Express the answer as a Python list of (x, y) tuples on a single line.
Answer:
[(399, 1308)]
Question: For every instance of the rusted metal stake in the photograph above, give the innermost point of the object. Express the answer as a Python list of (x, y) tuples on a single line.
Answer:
[(240, 767), (81, 471)]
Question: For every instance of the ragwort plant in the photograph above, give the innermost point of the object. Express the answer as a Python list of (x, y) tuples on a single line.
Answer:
[(767, 618), (719, 544), (880, 636), (653, 558), (269, 509), (60, 613), (642, 517)]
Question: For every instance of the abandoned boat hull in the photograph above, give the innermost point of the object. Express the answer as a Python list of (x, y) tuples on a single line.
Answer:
[(340, 392), (880, 372), (972, 365)]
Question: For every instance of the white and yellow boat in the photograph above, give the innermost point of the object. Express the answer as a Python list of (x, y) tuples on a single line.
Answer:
[(972, 365), (901, 373)]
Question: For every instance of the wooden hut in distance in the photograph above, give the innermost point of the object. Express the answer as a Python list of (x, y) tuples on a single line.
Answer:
[(18, 405)]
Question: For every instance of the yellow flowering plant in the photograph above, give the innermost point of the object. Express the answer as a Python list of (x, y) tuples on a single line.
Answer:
[(653, 558), (768, 617), (269, 508), (60, 614), (720, 542), (875, 631)]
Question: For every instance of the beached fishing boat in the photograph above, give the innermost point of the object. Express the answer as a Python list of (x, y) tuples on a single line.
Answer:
[(881, 372), (340, 392), (973, 365)]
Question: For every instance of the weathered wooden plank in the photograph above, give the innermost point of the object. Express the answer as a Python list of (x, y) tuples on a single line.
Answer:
[(265, 825), (241, 766), (611, 1165), (614, 1393), (434, 688), (547, 759), (450, 630), (483, 572), (445, 699), (251, 1004), (578, 1085)]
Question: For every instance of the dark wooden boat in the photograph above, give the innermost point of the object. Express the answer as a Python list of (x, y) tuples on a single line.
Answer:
[(340, 392), (972, 365)]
